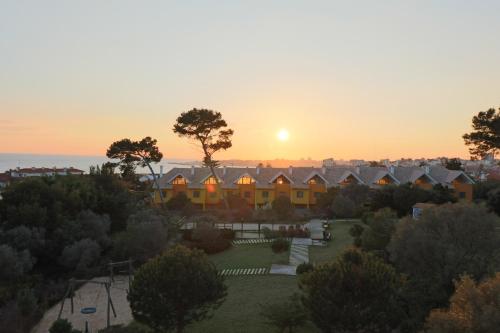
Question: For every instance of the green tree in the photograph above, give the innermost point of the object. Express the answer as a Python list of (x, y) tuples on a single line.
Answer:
[(283, 208), (380, 227), (453, 164), (474, 308), (285, 316), (356, 293), (175, 289), (436, 249), (343, 207), (485, 137), (137, 153), (208, 129)]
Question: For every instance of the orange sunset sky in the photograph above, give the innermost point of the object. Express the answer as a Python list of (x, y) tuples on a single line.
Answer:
[(360, 79)]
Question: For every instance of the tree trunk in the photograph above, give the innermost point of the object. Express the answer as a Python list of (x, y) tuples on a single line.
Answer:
[(212, 170), (156, 182)]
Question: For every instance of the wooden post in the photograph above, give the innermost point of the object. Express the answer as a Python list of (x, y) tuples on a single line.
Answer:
[(109, 304)]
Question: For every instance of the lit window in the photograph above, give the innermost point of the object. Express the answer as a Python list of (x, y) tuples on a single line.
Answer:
[(384, 181), (300, 194), (282, 180), (245, 180), (312, 181), (179, 180), (210, 181), (315, 180)]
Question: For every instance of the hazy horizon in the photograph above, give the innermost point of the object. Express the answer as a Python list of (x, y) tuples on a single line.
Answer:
[(347, 80)]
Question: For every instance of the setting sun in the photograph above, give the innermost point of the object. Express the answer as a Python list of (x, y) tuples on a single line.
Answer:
[(283, 135)]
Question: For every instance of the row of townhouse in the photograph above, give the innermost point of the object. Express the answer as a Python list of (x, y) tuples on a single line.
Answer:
[(260, 186)]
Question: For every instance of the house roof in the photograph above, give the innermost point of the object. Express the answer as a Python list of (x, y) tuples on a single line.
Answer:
[(299, 176)]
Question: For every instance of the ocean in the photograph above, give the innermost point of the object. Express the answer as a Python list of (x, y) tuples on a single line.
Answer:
[(11, 161)]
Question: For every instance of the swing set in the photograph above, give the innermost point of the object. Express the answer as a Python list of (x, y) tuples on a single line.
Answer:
[(70, 292)]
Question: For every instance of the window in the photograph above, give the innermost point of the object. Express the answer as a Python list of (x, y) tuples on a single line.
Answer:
[(315, 180), (164, 192), (213, 194), (300, 194), (247, 194), (179, 180), (384, 181), (265, 194), (210, 181), (245, 180), (462, 195), (317, 195), (196, 194), (282, 180)]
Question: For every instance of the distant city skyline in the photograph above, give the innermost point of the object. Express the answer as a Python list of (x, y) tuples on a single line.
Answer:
[(349, 80)]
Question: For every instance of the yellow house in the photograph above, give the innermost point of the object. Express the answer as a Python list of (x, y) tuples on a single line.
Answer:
[(261, 186)]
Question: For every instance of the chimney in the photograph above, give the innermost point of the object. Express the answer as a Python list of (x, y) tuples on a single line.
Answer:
[(290, 170), (391, 169), (257, 170), (224, 170), (427, 169), (357, 170), (323, 169), (192, 170), (161, 171)]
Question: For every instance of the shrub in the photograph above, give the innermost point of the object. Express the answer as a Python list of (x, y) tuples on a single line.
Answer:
[(14, 264), (227, 234), (146, 236), (62, 326), (81, 256), (280, 245), (304, 268)]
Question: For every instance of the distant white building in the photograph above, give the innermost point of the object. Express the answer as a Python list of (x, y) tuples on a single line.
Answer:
[(40, 172)]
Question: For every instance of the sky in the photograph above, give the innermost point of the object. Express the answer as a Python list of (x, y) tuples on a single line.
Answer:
[(346, 79)]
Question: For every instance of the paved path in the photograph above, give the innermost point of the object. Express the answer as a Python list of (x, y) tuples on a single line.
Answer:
[(254, 241), (283, 269), (244, 271), (299, 251)]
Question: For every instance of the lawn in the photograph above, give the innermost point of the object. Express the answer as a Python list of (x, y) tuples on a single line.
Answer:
[(341, 239), (241, 311), (249, 256)]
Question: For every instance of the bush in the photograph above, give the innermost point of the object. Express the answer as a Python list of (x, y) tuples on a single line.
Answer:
[(62, 326), (280, 245), (213, 246), (14, 264), (304, 268), (283, 207), (146, 236), (209, 239), (81, 256), (227, 234)]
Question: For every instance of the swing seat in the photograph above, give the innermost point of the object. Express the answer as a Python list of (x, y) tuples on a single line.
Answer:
[(88, 310)]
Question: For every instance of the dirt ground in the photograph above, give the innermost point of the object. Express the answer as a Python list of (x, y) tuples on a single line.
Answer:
[(92, 295)]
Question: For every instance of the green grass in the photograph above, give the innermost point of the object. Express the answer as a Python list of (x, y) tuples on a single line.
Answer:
[(341, 240), (241, 311), (249, 256)]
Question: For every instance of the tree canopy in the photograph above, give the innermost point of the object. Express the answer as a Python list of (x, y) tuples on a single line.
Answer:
[(485, 137), (356, 293), (136, 153), (433, 251), (175, 289)]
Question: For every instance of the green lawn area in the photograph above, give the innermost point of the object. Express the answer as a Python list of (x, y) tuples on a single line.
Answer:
[(249, 256), (241, 311), (341, 239)]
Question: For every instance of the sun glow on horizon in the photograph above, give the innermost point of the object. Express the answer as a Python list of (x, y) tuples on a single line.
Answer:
[(283, 135)]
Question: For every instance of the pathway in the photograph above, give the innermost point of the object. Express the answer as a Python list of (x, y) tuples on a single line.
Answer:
[(254, 241), (299, 251), (244, 271)]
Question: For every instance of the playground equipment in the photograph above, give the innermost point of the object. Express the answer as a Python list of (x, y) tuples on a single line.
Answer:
[(70, 292), (129, 271)]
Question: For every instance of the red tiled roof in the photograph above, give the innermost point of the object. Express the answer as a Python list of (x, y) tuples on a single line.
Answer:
[(4, 177), (47, 170)]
